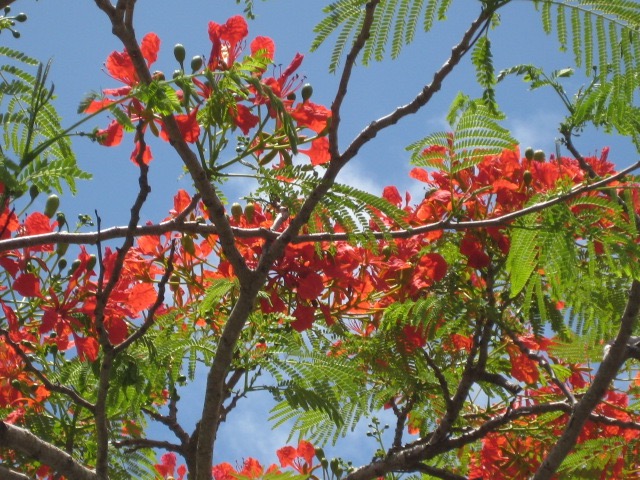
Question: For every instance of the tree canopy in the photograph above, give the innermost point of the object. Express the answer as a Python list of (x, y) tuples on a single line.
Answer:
[(494, 318)]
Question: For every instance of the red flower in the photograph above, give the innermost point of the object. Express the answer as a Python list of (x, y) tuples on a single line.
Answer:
[(167, 467), (110, 136), (319, 151), (120, 66), (312, 116), (226, 42), (299, 458), (188, 126)]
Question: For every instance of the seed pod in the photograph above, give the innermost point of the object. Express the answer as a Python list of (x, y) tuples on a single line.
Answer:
[(236, 211), (528, 154), (306, 92), (51, 207), (180, 53), (539, 156)]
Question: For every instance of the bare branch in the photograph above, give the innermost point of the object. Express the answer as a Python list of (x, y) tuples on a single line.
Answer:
[(22, 440), (437, 472), (603, 378), (8, 474), (133, 444), (444, 386), (499, 381), (457, 53), (350, 62)]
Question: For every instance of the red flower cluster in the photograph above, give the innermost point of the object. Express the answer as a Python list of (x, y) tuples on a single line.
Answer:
[(227, 42)]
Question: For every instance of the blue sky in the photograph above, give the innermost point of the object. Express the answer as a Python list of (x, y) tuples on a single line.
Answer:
[(77, 36)]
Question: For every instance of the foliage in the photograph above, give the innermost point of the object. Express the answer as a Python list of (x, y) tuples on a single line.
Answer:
[(492, 318)]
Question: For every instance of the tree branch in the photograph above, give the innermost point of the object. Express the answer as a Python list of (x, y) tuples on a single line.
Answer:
[(457, 53), (177, 225), (8, 474), (22, 440), (437, 472), (52, 387)]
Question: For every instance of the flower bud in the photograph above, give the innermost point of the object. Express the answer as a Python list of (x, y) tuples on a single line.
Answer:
[(249, 210), (180, 53), (187, 244), (91, 263), (51, 207), (236, 211), (306, 92), (61, 248), (21, 17), (539, 156), (34, 191), (196, 63), (527, 177), (528, 154)]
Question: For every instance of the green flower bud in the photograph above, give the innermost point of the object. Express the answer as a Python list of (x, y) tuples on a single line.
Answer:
[(539, 156), (51, 207), (62, 264), (196, 63), (306, 92), (236, 211), (249, 210), (528, 154), (61, 248), (187, 243), (61, 219), (527, 177), (21, 17), (91, 263), (180, 53), (34, 191), (74, 266)]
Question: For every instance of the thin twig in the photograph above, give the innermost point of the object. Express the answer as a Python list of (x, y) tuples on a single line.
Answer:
[(544, 364), (49, 385)]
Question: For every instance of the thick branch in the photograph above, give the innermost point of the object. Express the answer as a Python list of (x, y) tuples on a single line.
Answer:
[(7, 474), (21, 440), (603, 378)]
